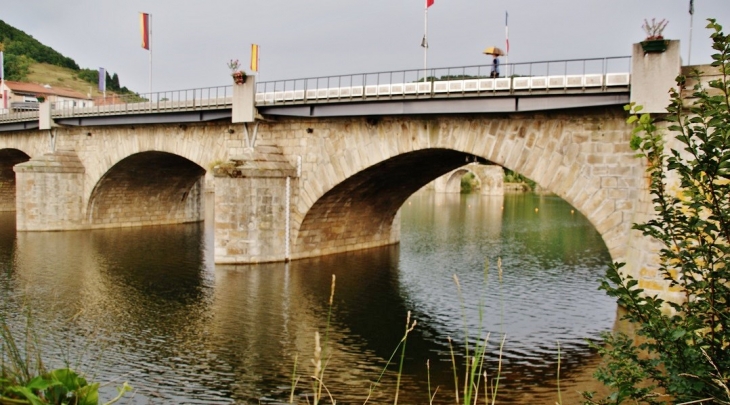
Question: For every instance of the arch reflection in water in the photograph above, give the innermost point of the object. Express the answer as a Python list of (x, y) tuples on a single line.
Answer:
[(153, 309)]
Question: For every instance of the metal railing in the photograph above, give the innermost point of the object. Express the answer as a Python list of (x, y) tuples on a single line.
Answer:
[(207, 98), (567, 75), (19, 116), (572, 75)]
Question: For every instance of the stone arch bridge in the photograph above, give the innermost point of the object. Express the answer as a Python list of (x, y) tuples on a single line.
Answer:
[(311, 186), (295, 186)]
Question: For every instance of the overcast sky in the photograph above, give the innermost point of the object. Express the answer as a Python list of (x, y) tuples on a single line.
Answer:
[(194, 39)]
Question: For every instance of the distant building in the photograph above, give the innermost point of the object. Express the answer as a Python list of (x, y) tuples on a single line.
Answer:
[(20, 96)]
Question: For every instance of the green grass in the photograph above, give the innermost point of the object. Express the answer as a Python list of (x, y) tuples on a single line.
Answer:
[(60, 77)]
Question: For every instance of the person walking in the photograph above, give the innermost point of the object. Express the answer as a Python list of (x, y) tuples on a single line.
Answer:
[(495, 66)]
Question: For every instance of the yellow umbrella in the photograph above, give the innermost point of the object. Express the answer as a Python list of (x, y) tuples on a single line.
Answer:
[(493, 50)]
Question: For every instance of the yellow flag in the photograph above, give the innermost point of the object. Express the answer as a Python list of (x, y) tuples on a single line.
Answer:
[(254, 58)]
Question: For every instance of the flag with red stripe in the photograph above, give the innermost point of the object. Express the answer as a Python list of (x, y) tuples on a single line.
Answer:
[(506, 32), (144, 27)]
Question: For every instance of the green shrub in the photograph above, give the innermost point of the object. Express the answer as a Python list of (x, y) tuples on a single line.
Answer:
[(681, 352)]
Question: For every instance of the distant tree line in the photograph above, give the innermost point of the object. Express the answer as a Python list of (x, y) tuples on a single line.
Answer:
[(112, 81), (22, 50)]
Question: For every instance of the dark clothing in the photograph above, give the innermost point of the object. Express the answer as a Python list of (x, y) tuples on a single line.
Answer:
[(495, 67)]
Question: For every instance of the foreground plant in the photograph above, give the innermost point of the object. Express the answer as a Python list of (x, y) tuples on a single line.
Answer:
[(682, 350), (24, 379)]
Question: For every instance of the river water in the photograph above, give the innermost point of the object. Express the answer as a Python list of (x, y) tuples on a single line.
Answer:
[(148, 306)]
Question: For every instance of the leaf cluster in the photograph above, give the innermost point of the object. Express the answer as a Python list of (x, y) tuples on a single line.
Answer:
[(682, 348)]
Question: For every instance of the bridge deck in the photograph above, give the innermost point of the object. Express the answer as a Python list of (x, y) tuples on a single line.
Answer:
[(530, 87)]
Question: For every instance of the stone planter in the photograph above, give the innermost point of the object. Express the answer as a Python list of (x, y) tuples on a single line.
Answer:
[(654, 45)]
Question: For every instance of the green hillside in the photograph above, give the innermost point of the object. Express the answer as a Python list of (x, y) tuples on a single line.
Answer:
[(28, 60)]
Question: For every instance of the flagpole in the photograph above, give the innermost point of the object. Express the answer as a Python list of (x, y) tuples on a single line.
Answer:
[(691, 19), (506, 40), (425, 41), (2, 79)]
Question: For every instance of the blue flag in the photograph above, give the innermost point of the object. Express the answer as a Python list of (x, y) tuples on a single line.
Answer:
[(102, 80)]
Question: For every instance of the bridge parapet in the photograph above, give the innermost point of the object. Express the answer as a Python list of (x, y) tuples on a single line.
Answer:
[(575, 77), (557, 77)]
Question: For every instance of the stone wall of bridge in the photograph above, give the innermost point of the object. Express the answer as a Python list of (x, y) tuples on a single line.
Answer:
[(355, 174), (128, 176)]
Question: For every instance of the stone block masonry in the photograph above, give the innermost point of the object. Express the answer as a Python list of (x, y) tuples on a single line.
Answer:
[(49, 192), (356, 172), (253, 202)]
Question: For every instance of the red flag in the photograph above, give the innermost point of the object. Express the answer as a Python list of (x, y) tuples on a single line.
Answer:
[(144, 27), (429, 3)]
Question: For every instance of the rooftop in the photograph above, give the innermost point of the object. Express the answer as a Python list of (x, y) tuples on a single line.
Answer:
[(34, 88)]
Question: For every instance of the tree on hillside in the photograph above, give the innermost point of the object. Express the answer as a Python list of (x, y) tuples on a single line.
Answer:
[(19, 43), (89, 75), (22, 50), (681, 353), (17, 67), (114, 85)]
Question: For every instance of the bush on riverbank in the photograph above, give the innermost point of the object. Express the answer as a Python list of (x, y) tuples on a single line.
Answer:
[(24, 378), (511, 177), (681, 353)]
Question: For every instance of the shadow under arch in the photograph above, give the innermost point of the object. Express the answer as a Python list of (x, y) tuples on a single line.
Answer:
[(359, 212), (148, 188), (9, 158)]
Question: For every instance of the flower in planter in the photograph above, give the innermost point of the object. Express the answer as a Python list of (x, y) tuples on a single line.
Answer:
[(654, 41), (41, 98), (654, 29), (239, 76)]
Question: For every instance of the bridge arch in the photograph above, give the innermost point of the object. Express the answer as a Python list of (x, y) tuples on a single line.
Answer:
[(147, 188), (8, 158), (360, 210), (201, 144), (453, 182), (580, 155)]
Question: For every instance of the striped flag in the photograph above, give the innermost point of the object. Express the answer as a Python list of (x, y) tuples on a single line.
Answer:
[(254, 58), (429, 3), (102, 80), (506, 32), (144, 28)]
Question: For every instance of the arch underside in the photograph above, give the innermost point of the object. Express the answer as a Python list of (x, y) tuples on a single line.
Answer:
[(148, 188), (8, 159), (359, 212), (453, 184)]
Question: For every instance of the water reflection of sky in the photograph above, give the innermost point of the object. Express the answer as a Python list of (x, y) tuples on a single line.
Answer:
[(147, 305), (551, 259)]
